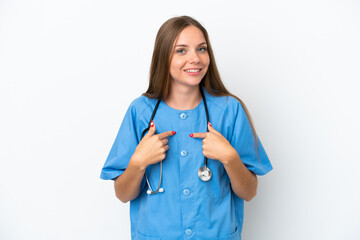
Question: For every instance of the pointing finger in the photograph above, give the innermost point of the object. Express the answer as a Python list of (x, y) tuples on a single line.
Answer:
[(166, 134), (199, 135)]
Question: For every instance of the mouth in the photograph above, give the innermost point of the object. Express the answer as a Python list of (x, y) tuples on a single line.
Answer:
[(193, 70)]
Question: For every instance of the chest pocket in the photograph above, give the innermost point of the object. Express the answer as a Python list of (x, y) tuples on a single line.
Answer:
[(219, 185), (233, 236), (140, 236)]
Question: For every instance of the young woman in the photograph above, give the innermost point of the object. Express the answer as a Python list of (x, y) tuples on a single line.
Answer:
[(186, 154)]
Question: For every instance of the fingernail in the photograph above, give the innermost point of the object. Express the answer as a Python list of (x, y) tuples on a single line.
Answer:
[(152, 123), (209, 123), (173, 132), (191, 135)]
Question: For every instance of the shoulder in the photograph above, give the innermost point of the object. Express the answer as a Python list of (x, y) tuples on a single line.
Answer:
[(227, 104), (140, 104)]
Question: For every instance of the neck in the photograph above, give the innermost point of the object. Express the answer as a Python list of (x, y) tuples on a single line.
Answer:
[(183, 97)]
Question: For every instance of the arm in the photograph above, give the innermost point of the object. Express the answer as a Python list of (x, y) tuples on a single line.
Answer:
[(127, 185), (243, 182), (216, 146)]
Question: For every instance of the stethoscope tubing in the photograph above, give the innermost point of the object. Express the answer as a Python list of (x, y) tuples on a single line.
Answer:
[(201, 170), (207, 118)]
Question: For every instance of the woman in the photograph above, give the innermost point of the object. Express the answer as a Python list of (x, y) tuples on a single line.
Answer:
[(187, 175)]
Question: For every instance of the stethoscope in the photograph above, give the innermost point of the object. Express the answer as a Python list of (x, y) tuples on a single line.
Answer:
[(204, 172)]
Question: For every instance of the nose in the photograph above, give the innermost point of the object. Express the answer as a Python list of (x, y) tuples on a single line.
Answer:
[(194, 57)]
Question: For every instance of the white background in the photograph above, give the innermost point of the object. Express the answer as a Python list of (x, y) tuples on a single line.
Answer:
[(69, 69)]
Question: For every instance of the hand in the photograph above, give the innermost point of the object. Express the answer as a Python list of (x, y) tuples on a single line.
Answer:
[(152, 148), (215, 145)]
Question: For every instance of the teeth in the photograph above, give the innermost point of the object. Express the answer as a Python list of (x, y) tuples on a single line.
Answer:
[(192, 70)]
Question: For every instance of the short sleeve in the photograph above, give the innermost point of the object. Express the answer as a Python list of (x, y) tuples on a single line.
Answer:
[(123, 148), (251, 153)]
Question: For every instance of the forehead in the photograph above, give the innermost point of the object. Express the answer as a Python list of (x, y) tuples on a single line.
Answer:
[(190, 35)]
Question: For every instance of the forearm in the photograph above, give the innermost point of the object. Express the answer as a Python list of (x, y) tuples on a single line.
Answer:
[(128, 184), (243, 182)]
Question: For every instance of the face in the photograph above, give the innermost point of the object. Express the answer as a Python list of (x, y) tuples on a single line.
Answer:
[(190, 59)]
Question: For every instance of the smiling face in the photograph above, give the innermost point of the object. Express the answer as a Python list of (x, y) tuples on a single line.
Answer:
[(190, 59)]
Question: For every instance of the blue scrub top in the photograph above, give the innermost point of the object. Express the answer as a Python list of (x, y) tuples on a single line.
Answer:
[(188, 208)]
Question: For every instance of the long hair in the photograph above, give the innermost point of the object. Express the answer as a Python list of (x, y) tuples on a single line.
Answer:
[(160, 78)]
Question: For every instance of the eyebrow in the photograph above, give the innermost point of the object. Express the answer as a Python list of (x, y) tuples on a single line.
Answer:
[(184, 45)]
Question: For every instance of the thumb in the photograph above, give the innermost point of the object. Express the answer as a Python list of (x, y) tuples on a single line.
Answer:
[(151, 130), (211, 129)]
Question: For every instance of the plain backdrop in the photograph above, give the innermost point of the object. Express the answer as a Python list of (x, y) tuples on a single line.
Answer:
[(69, 69)]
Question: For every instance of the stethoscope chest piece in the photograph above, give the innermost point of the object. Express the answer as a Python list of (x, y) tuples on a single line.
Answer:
[(204, 173)]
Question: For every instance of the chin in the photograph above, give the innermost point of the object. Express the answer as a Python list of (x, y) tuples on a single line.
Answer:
[(193, 84), (188, 82)]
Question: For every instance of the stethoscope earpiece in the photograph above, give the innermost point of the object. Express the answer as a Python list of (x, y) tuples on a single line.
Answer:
[(149, 192)]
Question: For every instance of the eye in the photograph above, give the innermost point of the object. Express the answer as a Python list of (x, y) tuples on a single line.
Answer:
[(202, 49), (180, 51)]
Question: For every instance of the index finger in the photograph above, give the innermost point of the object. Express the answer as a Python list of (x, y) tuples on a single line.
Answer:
[(199, 135), (166, 134)]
